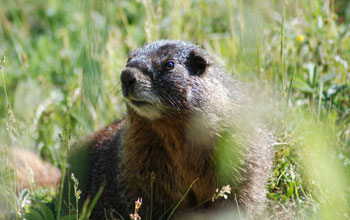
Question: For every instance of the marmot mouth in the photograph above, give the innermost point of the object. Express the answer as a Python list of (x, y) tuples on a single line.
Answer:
[(139, 103)]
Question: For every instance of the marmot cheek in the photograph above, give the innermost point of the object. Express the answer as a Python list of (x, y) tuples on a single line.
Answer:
[(195, 99), (189, 95)]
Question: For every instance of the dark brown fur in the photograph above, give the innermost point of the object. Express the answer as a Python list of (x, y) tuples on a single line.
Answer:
[(195, 106)]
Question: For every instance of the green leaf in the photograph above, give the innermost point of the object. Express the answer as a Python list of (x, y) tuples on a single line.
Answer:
[(46, 212), (33, 214), (68, 217), (300, 83), (290, 189)]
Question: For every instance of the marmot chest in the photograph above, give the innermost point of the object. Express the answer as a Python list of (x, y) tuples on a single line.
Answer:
[(171, 168)]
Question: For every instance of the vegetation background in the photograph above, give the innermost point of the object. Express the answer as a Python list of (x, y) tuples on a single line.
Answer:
[(60, 69)]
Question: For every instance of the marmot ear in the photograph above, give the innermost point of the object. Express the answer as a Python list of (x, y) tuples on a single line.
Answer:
[(197, 62)]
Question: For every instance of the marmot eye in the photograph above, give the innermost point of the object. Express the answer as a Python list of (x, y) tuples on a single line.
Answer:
[(170, 65)]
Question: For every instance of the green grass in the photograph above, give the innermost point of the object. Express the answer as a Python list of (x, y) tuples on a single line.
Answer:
[(60, 77)]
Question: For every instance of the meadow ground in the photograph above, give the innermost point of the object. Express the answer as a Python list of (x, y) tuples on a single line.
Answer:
[(60, 66)]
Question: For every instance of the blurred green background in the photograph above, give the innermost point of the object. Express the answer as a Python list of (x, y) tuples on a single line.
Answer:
[(61, 62)]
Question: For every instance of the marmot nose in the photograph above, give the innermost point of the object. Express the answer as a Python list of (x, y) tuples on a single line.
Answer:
[(128, 79)]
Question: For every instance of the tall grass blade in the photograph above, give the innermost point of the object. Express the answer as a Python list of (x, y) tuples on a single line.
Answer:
[(183, 197)]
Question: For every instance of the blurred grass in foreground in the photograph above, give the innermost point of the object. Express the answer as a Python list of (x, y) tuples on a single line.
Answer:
[(63, 60)]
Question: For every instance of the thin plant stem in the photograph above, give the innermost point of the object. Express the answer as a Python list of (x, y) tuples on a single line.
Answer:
[(94, 201), (238, 210), (153, 177), (183, 197), (319, 102), (201, 203), (65, 140), (289, 91), (3, 79), (282, 47)]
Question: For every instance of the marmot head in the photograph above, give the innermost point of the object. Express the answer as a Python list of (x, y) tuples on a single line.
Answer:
[(166, 79)]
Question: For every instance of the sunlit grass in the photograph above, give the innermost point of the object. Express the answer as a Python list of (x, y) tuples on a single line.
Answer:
[(63, 60)]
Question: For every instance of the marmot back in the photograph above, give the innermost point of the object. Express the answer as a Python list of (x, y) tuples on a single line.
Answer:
[(187, 120)]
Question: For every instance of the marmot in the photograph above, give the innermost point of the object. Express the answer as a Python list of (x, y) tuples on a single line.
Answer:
[(186, 120), (31, 171)]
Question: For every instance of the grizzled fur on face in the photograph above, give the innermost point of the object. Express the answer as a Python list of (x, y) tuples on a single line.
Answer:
[(166, 78)]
